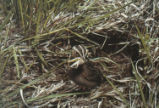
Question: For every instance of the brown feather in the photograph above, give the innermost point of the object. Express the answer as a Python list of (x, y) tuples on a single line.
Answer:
[(85, 75)]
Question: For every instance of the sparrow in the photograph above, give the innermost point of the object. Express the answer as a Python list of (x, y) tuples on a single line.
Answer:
[(83, 72)]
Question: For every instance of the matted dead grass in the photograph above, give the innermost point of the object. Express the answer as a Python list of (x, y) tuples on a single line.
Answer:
[(122, 39)]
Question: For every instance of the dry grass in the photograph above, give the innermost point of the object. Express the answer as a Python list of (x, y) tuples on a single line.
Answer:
[(36, 40)]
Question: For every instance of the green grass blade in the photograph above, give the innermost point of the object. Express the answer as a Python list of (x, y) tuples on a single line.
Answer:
[(140, 85), (21, 12), (16, 61)]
